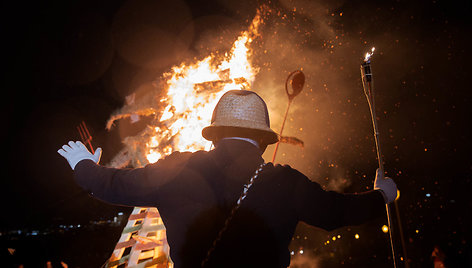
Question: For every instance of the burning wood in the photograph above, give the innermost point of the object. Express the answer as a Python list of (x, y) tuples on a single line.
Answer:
[(190, 94), (119, 116)]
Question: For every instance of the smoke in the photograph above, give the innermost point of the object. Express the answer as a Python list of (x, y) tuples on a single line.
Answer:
[(329, 114), (304, 261)]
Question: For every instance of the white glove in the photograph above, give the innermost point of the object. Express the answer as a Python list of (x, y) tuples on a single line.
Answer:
[(76, 151), (386, 186)]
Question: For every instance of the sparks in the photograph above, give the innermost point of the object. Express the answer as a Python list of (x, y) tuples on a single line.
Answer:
[(368, 55)]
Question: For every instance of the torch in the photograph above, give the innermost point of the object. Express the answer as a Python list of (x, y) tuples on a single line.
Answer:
[(368, 85), (297, 80)]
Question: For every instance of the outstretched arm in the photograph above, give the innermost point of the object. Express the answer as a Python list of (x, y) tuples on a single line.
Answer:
[(129, 187), (330, 210)]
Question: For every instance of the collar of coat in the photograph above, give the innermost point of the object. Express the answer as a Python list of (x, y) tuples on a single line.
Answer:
[(243, 139)]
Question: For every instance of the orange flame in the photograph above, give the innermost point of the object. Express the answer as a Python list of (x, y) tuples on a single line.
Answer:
[(192, 93)]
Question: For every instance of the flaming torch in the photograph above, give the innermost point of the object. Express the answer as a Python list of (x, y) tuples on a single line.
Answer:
[(368, 85)]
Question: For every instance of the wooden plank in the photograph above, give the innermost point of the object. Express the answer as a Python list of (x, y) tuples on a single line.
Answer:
[(120, 261), (125, 244), (132, 229), (153, 228), (147, 246), (138, 216), (142, 215), (146, 254)]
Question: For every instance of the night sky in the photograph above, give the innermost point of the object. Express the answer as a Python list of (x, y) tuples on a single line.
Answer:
[(72, 61)]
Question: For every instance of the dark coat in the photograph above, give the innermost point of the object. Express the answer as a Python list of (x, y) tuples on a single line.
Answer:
[(194, 193)]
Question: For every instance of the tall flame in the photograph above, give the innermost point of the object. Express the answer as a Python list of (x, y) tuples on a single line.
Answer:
[(192, 93)]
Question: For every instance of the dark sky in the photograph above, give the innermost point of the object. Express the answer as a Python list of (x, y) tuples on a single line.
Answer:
[(69, 61)]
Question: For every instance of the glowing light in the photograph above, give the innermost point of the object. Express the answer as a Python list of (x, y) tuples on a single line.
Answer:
[(339, 236), (368, 55), (153, 156), (356, 236), (428, 195), (334, 238), (417, 231), (301, 251), (192, 93), (385, 228)]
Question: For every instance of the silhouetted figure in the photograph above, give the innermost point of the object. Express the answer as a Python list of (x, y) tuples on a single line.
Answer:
[(196, 193)]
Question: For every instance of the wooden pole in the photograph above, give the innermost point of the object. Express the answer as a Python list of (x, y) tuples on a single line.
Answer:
[(281, 130), (297, 80), (367, 83)]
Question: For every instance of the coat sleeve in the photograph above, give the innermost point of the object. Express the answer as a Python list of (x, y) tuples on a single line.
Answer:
[(129, 187), (330, 210)]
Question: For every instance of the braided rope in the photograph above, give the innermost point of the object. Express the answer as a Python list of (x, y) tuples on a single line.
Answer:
[(231, 214)]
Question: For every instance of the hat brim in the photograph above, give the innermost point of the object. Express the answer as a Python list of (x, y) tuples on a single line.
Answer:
[(213, 133)]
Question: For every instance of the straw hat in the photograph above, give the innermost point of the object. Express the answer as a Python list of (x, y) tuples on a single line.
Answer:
[(244, 110)]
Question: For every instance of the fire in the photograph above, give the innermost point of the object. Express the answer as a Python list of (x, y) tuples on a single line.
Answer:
[(369, 54), (192, 93)]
